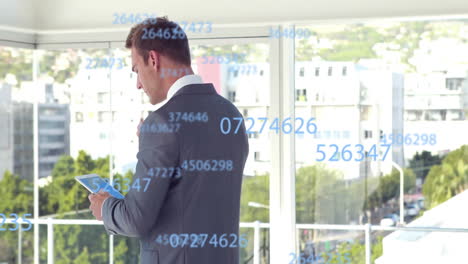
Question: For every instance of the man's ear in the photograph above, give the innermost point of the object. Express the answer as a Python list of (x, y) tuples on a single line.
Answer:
[(154, 58)]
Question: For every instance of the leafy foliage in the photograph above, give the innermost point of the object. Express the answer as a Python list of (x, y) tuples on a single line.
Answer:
[(63, 198), (389, 187), (255, 189), (322, 197), (16, 197), (17, 62), (421, 163), (448, 179)]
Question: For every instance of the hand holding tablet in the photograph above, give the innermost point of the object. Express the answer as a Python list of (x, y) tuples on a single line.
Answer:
[(94, 184)]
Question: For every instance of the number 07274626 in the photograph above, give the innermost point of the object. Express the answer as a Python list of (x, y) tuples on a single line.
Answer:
[(286, 125)]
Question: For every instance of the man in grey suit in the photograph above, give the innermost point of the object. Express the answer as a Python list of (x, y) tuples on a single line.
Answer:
[(191, 205)]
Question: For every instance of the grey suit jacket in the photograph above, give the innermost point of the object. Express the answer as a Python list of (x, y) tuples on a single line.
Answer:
[(192, 200)]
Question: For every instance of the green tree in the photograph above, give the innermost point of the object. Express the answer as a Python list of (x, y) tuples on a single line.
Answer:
[(377, 249), (389, 188), (355, 251), (255, 189), (448, 179), (421, 163), (64, 166), (16, 198), (83, 258), (80, 244), (14, 194), (120, 251), (353, 43), (17, 62), (358, 41), (60, 65), (319, 192), (84, 163)]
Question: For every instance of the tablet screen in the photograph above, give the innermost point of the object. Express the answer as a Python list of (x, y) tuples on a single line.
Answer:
[(94, 184)]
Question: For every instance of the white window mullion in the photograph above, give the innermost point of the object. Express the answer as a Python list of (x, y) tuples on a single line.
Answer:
[(282, 182), (36, 157)]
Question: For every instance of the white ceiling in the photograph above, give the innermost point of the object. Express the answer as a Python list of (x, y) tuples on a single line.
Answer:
[(45, 15)]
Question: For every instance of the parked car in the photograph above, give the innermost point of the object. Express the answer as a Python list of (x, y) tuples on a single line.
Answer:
[(309, 249), (420, 202), (389, 220), (411, 210)]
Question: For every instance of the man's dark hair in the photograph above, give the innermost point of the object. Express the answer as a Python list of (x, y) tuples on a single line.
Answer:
[(177, 49)]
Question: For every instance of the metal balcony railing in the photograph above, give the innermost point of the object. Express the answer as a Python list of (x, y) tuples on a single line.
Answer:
[(367, 229)]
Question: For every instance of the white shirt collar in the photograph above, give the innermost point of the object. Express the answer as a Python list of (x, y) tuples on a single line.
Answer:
[(177, 85)]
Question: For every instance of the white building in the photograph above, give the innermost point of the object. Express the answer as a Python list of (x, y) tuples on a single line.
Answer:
[(436, 104), (96, 110), (16, 118), (6, 132), (351, 104), (250, 93)]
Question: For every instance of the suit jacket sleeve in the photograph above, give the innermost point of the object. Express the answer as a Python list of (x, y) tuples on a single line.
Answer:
[(137, 214)]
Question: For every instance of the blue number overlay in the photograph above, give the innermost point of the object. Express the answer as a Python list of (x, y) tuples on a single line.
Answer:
[(133, 18), (15, 221), (290, 33), (207, 165), (223, 59), (160, 128), (409, 139), (202, 240), (196, 27), (335, 134), (188, 116), (347, 154), (167, 72), (165, 172), (304, 259), (166, 33), (285, 126), (126, 184), (242, 69), (105, 63)]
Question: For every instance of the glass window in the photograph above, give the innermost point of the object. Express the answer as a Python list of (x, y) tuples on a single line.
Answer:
[(78, 117), (367, 134), (102, 96), (16, 152), (246, 83), (406, 80), (70, 145), (104, 116), (454, 84)]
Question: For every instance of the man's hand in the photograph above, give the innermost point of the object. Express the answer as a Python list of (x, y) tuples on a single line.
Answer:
[(97, 200), (139, 125)]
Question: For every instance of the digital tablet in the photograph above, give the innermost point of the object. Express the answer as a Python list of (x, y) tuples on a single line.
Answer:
[(94, 184)]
